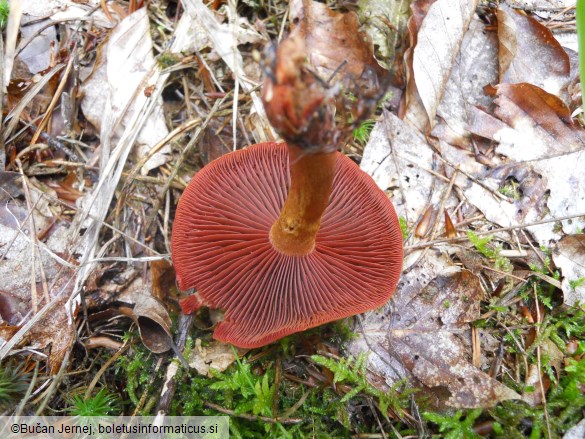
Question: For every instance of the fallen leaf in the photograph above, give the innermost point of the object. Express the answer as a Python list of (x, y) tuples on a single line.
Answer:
[(215, 355), (530, 53), (154, 324), (163, 279), (28, 267), (474, 67), (404, 166), (150, 315), (424, 335), (433, 57), (540, 124), (570, 258), (375, 17), (543, 149), (113, 87)]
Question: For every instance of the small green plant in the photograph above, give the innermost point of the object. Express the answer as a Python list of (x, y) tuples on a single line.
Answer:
[(511, 189), (482, 245), (257, 391), (403, 227), (352, 371), (103, 403), (4, 11), (453, 427), (362, 133), (12, 384), (137, 368), (167, 59), (576, 283)]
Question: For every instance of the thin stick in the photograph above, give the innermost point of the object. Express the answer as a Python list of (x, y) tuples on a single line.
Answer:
[(284, 421), (489, 232), (539, 365)]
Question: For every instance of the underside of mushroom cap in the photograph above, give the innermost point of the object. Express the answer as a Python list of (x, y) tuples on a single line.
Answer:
[(221, 247)]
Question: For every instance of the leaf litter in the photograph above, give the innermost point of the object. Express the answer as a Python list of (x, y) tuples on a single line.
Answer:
[(485, 142), (512, 151)]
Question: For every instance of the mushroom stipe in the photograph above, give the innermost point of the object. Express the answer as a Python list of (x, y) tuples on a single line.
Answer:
[(221, 247)]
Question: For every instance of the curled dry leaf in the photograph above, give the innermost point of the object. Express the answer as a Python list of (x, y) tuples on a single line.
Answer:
[(424, 335), (150, 315), (154, 324), (323, 79), (433, 57), (528, 52), (570, 258)]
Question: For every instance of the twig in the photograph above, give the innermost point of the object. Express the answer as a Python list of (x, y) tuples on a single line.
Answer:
[(489, 232), (100, 372), (538, 363), (54, 100), (170, 387), (28, 393), (284, 421)]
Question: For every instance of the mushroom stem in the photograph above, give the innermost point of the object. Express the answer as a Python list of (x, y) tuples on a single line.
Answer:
[(311, 182)]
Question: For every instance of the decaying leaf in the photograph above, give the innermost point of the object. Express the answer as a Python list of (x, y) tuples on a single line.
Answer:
[(474, 67), (401, 165), (433, 57), (530, 53), (570, 258), (424, 335), (154, 324), (539, 124), (543, 149), (35, 272), (150, 315), (215, 355), (115, 86)]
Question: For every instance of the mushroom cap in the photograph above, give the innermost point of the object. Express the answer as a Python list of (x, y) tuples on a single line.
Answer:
[(221, 247)]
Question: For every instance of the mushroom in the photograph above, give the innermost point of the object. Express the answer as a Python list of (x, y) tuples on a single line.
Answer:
[(281, 264), (286, 237)]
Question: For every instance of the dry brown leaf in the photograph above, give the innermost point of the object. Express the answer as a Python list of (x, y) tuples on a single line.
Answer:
[(570, 258), (411, 100), (151, 316), (433, 57), (544, 151), (333, 40), (163, 279), (424, 335), (154, 324), (530, 53), (541, 124)]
